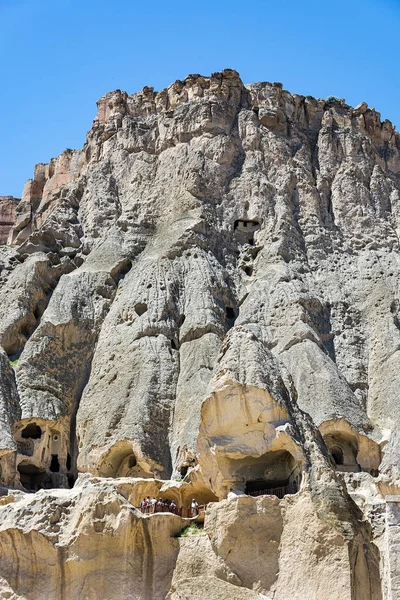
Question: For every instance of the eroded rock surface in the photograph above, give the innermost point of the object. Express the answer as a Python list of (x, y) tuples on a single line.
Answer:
[(203, 303), (8, 215)]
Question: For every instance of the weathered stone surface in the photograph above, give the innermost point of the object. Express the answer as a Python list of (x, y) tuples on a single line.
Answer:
[(8, 210), (9, 405), (24, 297), (203, 302), (209, 587), (87, 541)]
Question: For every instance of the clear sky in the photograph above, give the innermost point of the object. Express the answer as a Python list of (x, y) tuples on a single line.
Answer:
[(57, 57)]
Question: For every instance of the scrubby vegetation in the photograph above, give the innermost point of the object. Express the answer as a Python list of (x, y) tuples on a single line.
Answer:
[(192, 529)]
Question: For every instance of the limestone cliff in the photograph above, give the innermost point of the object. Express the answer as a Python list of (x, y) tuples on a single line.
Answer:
[(203, 302)]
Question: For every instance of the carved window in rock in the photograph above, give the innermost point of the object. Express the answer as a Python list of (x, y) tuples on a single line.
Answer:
[(54, 464), (32, 431), (245, 230)]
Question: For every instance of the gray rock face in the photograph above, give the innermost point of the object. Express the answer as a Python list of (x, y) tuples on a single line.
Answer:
[(209, 290), (9, 406)]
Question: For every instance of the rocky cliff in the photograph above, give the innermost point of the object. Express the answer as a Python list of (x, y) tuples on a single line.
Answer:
[(203, 302)]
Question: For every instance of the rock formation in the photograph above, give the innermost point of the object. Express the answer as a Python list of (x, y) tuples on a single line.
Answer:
[(203, 303), (8, 211)]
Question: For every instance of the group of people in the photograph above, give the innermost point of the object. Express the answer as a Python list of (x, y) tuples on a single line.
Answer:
[(150, 506)]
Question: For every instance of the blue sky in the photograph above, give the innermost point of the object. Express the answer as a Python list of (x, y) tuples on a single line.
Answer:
[(58, 57)]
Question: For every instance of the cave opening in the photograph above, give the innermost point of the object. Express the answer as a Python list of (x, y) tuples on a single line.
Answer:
[(132, 462), (274, 473), (68, 463), (120, 461), (55, 464), (230, 316), (183, 470), (230, 313), (337, 455), (31, 477), (343, 448), (245, 230), (279, 487), (140, 308), (32, 431), (123, 270), (71, 480)]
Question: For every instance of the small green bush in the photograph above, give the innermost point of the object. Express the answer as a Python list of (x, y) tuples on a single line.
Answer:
[(332, 101), (192, 529), (14, 363)]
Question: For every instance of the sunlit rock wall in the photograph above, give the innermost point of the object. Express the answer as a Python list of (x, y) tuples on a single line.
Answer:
[(203, 302)]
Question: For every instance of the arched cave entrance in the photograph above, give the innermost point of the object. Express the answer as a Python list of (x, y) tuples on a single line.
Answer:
[(33, 478), (343, 448), (350, 450), (121, 462), (275, 473)]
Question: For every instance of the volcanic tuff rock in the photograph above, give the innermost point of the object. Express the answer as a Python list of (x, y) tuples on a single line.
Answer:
[(203, 302), (8, 211)]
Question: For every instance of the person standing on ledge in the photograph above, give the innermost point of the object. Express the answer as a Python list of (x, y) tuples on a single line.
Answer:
[(194, 508)]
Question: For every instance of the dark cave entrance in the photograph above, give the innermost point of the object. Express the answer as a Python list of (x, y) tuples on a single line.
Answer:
[(140, 308), (230, 317), (343, 448), (279, 488), (132, 462), (183, 471), (55, 464), (337, 455), (32, 431), (274, 473), (31, 477)]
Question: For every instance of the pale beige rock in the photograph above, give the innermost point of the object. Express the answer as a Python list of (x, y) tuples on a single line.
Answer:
[(8, 210), (86, 542), (198, 588)]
